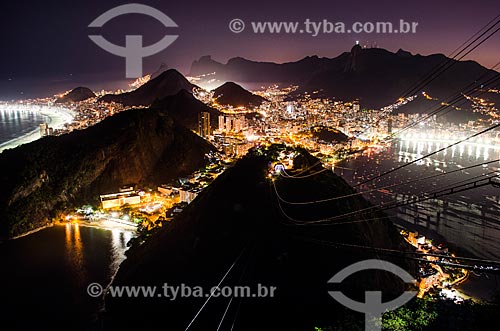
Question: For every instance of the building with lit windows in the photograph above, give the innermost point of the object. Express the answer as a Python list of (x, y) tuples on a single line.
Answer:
[(204, 129)]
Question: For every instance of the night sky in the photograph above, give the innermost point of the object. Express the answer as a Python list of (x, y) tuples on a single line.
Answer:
[(47, 41)]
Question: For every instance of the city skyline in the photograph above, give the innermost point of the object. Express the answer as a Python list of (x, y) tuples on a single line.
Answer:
[(250, 166)]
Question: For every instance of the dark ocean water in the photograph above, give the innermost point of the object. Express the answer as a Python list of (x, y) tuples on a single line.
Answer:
[(45, 276)]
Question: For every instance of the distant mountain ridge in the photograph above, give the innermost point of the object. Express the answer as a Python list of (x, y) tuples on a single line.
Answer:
[(375, 76), (241, 70)]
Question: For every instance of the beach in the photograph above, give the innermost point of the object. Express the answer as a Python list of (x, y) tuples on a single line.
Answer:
[(55, 117)]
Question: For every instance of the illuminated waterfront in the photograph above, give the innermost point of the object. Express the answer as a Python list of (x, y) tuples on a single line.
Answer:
[(16, 123), (19, 123)]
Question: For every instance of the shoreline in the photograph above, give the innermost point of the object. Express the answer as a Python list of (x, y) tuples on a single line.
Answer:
[(32, 231), (100, 226), (55, 117), (80, 223)]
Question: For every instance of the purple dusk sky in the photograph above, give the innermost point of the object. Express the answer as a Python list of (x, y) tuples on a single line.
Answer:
[(49, 39)]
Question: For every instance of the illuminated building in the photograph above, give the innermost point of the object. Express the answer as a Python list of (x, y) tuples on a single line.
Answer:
[(222, 123), (279, 167), (355, 106), (187, 194), (412, 238), (204, 124), (44, 129), (231, 123), (165, 190), (238, 123), (119, 199)]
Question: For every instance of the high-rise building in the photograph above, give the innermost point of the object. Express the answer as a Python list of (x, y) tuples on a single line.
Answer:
[(389, 126), (222, 123), (355, 106), (204, 124), (232, 123), (229, 123), (238, 123), (44, 129)]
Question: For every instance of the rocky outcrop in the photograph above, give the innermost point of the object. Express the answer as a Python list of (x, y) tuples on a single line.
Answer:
[(234, 95), (167, 83), (139, 146), (235, 225), (77, 94)]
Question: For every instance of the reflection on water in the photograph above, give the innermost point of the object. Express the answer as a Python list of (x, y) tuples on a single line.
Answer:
[(469, 219), (74, 253), (119, 240), (416, 149)]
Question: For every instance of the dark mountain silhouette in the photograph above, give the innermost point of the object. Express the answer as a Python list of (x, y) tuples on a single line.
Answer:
[(459, 114), (234, 95), (137, 146), (375, 76), (237, 221), (329, 135), (185, 108), (76, 94), (167, 83), (378, 77)]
